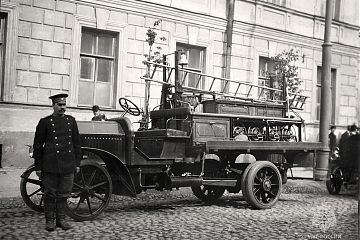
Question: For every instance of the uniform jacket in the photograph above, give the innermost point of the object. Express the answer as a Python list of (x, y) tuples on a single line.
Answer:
[(57, 146)]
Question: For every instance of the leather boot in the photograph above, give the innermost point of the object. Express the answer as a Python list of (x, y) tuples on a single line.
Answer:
[(60, 215), (49, 209)]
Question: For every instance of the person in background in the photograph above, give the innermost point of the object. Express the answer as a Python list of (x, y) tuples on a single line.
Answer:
[(98, 116), (332, 139), (351, 130), (57, 154)]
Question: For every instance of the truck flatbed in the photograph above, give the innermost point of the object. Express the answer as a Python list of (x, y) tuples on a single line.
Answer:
[(249, 146)]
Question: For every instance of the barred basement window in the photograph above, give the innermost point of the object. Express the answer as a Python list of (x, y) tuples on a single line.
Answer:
[(97, 68)]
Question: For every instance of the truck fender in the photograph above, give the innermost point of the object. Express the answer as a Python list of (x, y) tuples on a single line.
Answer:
[(30, 168), (123, 184), (211, 156)]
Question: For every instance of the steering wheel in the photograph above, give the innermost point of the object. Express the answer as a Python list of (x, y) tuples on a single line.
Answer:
[(129, 107)]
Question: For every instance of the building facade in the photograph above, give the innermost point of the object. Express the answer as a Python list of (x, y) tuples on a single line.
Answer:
[(94, 50)]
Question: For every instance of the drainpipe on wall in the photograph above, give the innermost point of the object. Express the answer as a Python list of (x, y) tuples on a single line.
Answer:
[(230, 5)]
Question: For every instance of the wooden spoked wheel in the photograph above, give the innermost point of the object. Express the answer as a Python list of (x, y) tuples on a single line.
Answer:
[(31, 190), (91, 192)]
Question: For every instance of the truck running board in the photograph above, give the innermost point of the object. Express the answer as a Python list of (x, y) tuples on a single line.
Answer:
[(177, 182), (220, 182)]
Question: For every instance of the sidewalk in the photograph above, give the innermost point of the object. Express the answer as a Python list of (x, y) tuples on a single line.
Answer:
[(301, 173), (10, 181)]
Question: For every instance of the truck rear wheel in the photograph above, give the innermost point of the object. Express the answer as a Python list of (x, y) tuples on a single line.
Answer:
[(243, 180), (205, 193), (262, 185), (91, 192)]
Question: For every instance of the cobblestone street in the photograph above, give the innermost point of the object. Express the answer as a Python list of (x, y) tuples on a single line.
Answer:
[(179, 215)]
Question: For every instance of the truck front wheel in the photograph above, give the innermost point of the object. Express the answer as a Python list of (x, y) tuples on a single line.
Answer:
[(91, 192), (31, 189), (262, 185)]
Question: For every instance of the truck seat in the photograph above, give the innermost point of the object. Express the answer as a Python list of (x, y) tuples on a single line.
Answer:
[(172, 112), (161, 133)]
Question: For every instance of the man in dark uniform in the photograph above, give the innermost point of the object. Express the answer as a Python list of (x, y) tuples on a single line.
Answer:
[(57, 154)]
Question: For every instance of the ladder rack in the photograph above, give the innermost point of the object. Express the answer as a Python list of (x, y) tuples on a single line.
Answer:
[(217, 87)]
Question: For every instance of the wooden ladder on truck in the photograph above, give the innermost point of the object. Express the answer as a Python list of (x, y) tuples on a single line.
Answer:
[(212, 87)]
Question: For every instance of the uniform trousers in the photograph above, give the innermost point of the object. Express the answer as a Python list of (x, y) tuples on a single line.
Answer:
[(57, 186)]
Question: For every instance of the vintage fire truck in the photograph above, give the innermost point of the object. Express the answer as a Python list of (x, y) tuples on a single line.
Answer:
[(211, 134)]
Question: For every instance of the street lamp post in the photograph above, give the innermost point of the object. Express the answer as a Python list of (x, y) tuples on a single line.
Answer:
[(322, 158)]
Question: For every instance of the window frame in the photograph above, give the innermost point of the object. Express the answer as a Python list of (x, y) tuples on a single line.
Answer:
[(95, 57), (9, 67), (120, 77), (263, 79), (203, 54), (333, 94)]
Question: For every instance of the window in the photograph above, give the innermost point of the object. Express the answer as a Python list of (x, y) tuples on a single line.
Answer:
[(266, 66), (196, 58), (2, 52), (267, 76), (333, 94), (97, 68)]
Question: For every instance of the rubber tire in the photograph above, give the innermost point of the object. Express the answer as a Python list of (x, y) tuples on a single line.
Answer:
[(243, 180), (93, 215), (249, 185), (23, 190)]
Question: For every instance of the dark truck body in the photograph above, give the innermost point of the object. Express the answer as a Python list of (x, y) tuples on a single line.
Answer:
[(175, 151)]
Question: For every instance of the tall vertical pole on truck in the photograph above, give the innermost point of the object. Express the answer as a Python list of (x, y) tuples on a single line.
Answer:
[(178, 91), (322, 158), (164, 87)]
